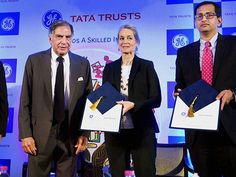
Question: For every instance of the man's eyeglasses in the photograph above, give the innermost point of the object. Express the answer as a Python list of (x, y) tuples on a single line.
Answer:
[(208, 15)]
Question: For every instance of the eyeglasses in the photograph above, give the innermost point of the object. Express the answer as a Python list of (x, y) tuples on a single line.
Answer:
[(208, 15)]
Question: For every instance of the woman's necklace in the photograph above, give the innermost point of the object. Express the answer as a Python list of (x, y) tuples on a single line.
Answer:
[(125, 71)]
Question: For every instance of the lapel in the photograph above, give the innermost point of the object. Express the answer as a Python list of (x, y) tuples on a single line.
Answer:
[(219, 53), (46, 72), (195, 62), (117, 73), (75, 86), (134, 69)]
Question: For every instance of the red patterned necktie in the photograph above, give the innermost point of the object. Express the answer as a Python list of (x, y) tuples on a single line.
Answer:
[(207, 63)]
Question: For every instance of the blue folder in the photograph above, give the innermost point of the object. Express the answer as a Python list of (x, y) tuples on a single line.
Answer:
[(109, 97), (202, 90)]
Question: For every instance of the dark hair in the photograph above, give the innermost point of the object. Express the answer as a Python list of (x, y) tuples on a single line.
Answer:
[(132, 28), (60, 23), (217, 7)]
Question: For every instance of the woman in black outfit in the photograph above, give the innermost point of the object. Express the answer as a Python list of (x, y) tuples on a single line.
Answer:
[(136, 79)]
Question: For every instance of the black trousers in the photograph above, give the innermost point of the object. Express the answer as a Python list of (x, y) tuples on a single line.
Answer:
[(213, 154), (140, 143)]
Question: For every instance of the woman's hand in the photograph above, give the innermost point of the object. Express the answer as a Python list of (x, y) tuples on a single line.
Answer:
[(127, 105)]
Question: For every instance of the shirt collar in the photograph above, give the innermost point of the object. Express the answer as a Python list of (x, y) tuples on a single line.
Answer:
[(55, 56), (213, 41)]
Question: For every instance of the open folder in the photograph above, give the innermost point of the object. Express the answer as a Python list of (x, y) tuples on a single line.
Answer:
[(102, 113), (196, 107)]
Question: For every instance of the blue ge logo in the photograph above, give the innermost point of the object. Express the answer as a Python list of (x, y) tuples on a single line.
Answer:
[(180, 40), (177, 39), (10, 69), (9, 23), (51, 16)]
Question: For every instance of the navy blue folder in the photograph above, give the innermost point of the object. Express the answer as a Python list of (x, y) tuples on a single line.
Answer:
[(109, 97), (202, 90)]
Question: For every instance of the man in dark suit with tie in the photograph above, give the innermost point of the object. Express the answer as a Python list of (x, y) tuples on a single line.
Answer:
[(3, 102), (51, 105), (213, 153)]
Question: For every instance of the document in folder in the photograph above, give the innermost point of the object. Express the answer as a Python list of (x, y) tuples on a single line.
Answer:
[(196, 107), (102, 113)]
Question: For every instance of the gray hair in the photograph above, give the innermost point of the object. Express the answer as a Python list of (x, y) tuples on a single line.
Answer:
[(132, 28), (59, 23)]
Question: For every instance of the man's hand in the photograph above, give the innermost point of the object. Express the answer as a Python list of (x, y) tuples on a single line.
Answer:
[(127, 105), (81, 144), (226, 96), (177, 93), (28, 145)]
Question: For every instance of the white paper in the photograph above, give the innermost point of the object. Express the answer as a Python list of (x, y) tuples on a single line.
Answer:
[(94, 120), (204, 119)]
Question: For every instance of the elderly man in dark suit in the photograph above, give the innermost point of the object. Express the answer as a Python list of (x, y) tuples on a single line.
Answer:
[(213, 153), (52, 103), (3, 103)]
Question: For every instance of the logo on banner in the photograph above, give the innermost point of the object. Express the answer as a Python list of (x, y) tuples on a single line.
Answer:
[(170, 92), (97, 67), (10, 120), (229, 31), (5, 167), (9, 23), (10, 69), (50, 17), (177, 39), (180, 40)]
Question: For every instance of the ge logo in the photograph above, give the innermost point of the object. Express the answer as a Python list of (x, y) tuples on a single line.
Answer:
[(183, 114), (179, 40), (51, 16), (8, 70), (7, 24)]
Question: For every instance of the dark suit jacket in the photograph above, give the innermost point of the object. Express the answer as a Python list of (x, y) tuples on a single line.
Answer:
[(224, 77), (36, 104), (144, 90), (3, 102)]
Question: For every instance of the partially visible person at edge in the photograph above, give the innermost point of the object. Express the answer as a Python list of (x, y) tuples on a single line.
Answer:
[(136, 79), (44, 137), (3, 103), (213, 153)]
